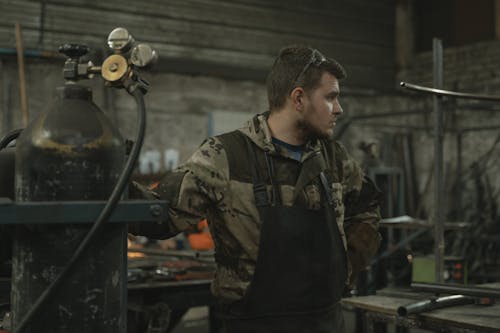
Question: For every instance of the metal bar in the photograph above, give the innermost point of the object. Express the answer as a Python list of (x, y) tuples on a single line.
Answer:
[(79, 211), (398, 126), (431, 304), (22, 77), (457, 289), (437, 50), (425, 128), (41, 30), (480, 128), (477, 106), (459, 173), (31, 53), (390, 114), (6, 99), (172, 253), (442, 92)]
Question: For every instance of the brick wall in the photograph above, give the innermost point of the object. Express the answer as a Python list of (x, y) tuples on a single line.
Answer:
[(473, 69)]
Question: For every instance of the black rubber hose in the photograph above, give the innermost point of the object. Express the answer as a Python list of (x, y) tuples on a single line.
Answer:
[(9, 137), (101, 220)]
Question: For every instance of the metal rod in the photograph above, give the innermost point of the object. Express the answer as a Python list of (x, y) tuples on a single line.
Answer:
[(459, 182), (41, 30), (397, 126), (172, 253), (426, 128), (6, 99), (482, 107), (22, 77), (457, 289), (390, 114), (434, 303), (437, 51), (479, 128), (441, 92)]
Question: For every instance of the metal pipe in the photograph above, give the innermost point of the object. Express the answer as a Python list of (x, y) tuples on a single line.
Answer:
[(428, 128), (434, 303), (22, 77), (390, 114), (442, 92), (344, 125), (31, 53), (458, 191), (483, 107), (437, 51), (456, 289), (480, 128), (6, 99), (397, 126), (41, 30)]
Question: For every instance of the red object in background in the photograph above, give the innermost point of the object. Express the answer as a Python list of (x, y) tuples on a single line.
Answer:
[(201, 240)]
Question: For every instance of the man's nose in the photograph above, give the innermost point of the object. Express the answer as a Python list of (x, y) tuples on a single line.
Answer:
[(337, 109)]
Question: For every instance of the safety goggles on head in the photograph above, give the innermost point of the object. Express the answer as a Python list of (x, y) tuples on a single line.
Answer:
[(316, 59)]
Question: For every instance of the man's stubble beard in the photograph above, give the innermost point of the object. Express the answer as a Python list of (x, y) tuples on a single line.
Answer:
[(310, 132)]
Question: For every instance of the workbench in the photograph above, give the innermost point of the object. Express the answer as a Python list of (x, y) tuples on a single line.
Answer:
[(166, 301), (383, 308), (164, 284)]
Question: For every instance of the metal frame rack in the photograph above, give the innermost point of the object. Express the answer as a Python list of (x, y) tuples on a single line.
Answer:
[(438, 93)]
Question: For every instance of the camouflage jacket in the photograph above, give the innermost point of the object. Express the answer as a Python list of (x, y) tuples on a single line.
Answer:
[(207, 185)]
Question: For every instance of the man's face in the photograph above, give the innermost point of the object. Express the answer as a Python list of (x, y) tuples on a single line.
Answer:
[(321, 108)]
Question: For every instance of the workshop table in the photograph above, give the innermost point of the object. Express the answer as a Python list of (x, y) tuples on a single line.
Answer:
[(162, 304), (463, 318)]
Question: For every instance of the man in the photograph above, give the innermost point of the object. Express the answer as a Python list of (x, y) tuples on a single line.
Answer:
[(292, 218)]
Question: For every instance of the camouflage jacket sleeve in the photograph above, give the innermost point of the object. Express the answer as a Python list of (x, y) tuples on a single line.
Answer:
[(361, 200), (191, 190)]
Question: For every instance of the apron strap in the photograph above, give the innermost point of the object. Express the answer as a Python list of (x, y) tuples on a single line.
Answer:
[(325, 181), (276, 194), (259, 185)]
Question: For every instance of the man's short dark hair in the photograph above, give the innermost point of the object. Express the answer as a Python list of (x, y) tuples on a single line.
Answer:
[(298, 66)]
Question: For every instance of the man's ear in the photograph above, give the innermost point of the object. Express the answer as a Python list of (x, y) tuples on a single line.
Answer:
[(297, 97)]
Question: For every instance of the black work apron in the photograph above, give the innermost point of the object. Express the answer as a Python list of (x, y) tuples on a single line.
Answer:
[(301, 268)]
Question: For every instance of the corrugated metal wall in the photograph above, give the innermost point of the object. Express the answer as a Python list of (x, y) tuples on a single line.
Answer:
[(229, 38)]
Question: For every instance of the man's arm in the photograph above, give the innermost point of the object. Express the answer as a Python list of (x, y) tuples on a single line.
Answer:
[(362, 216), (190, 191)]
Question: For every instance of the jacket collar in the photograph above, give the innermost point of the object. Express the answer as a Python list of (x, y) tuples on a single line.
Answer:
[(258, 131)]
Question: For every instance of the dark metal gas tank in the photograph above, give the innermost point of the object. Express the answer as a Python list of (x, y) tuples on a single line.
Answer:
[(70, 152)]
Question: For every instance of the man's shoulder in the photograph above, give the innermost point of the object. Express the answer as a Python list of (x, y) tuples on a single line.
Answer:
[(336, 149), (232, 142), (231, 135), (210, 154)]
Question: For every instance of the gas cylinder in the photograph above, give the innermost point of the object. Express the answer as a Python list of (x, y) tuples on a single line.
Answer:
[(70, 152)]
